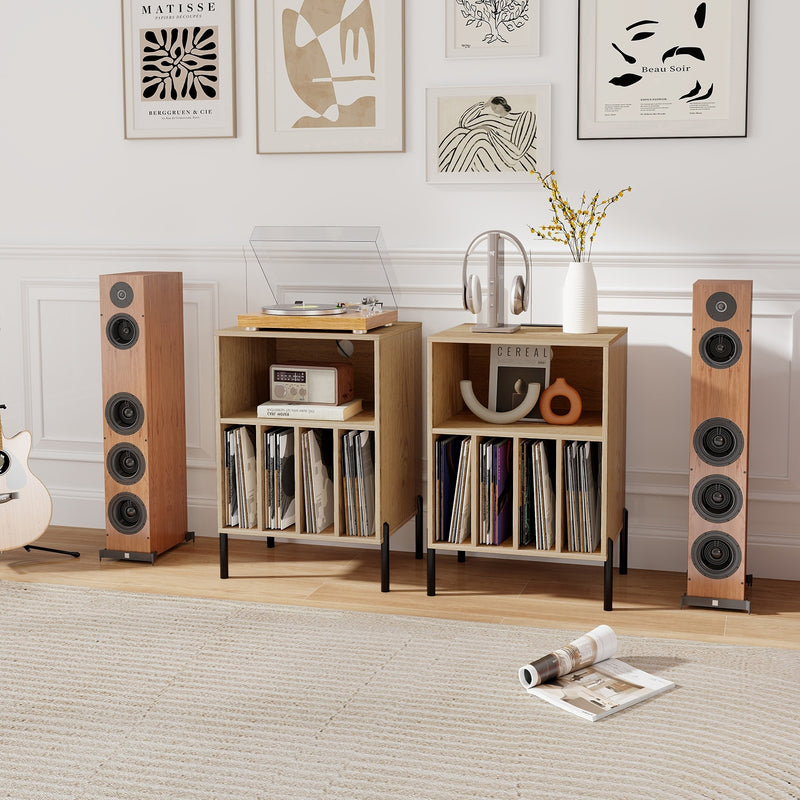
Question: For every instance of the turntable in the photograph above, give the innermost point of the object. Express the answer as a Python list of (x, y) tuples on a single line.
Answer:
[(317, 278)]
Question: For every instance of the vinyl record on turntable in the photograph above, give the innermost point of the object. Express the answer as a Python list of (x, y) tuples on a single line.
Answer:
[(303, 310)]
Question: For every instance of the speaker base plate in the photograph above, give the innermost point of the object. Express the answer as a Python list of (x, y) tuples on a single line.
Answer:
[(129, 555), (714, 602)]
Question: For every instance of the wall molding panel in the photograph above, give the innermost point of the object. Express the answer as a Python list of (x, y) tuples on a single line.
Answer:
[(49, 343)]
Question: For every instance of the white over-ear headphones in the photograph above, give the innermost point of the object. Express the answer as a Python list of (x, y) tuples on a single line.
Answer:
[(471, 286)]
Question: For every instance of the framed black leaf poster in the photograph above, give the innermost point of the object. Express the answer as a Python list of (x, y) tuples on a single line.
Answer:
[(178, 61), (662, 68)]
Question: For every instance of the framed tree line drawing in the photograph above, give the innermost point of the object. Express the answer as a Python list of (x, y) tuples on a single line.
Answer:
[(486, 134), (498, 28), (329, 76), (662, 68), (178, 68)]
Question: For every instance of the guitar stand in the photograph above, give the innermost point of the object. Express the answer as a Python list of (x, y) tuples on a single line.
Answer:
[(29, 547)]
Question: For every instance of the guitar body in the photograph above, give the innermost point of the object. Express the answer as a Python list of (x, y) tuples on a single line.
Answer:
[(25, 503)]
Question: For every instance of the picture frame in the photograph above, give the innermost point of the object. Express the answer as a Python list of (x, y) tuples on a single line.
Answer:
[(668, 69), (179, 69), (340, 90), (477, 30), (470, 138)]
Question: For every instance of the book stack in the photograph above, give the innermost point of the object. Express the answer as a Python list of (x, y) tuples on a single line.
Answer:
[(358, 468), (582, 480), (240, 477), (279, 477), (276, 410), (537, 508)]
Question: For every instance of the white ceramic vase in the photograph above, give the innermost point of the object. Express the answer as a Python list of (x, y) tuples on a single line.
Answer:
[(579, 298)]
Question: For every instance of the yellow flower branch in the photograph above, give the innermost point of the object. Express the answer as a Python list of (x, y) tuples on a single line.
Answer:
[(576, 229)]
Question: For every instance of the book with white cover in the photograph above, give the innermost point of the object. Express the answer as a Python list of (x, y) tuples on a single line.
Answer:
[(274, 410)]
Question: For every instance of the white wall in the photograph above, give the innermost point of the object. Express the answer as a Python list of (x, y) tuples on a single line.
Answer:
[(78, 200)]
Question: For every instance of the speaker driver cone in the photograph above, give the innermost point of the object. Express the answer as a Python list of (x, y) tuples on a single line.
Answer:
[(720, 348), (721, 306), (718, 441), (121, 294), (125, 464), (717, 498), (122, 331), (124, 413), (716, 554), (127, 513)]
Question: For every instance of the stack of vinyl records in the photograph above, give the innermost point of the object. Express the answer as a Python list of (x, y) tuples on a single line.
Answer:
[(537, 508), (453, 509), (496, 483), (240, 477), (317, 454), (358, 468), (582, 480), (279, 471)]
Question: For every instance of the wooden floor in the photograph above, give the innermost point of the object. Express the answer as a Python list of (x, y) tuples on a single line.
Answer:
[(516, 592)]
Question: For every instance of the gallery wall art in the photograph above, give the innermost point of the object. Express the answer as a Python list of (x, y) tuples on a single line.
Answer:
[(494, 29), (662, 68), (483, 134), (178, 61), (329, 76)]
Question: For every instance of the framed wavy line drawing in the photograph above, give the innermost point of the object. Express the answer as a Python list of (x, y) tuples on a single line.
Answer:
[(329, 76), (662, 68), (178, 61), (487, 134)]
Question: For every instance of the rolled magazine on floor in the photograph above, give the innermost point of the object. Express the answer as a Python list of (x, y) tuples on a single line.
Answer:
[(597, 645), (585, 680)]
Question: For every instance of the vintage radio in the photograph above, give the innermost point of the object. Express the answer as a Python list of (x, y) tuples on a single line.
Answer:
[(331, 384)]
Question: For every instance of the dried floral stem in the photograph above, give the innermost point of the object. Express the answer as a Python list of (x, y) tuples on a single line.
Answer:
[(576, 229)]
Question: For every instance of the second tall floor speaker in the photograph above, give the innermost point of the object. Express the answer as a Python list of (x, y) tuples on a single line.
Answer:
[(719, 445), (144, 418)]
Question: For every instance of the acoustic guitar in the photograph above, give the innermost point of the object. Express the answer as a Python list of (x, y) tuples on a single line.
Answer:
[(25, 503)]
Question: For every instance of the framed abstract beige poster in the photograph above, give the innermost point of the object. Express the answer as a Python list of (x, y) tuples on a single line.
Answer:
[(500, 28), (487, 134), (329, 76), (662, 68), (178, 61)]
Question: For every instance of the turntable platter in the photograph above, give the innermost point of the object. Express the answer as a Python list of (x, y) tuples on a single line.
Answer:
[(304, 310)]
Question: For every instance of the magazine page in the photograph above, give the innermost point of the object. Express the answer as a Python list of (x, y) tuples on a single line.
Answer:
[(511, 369), (601, 689), (597, 645)]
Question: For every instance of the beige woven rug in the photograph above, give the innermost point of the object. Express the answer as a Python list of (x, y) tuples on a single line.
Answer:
[(115, 696)]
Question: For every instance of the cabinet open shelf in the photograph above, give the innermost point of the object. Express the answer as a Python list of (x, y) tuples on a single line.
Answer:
[(386, 371), (593, 364)]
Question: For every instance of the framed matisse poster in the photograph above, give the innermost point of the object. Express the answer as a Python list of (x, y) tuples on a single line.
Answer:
[(476, 29), (662, 68), (329, 76), (178, 61), (483, 134)]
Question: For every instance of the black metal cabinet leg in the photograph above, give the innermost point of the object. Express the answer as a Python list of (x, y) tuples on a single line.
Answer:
[(462, 556), (431, 572), (623, 544), (223, 555), (270, 541), (418, 529), (608, 578), (385, 558)]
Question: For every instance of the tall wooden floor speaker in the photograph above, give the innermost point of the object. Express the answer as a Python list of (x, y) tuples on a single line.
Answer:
[(144, 424), (719, 445)]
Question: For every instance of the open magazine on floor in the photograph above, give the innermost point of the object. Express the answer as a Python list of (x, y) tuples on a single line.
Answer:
[(584, 678)]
